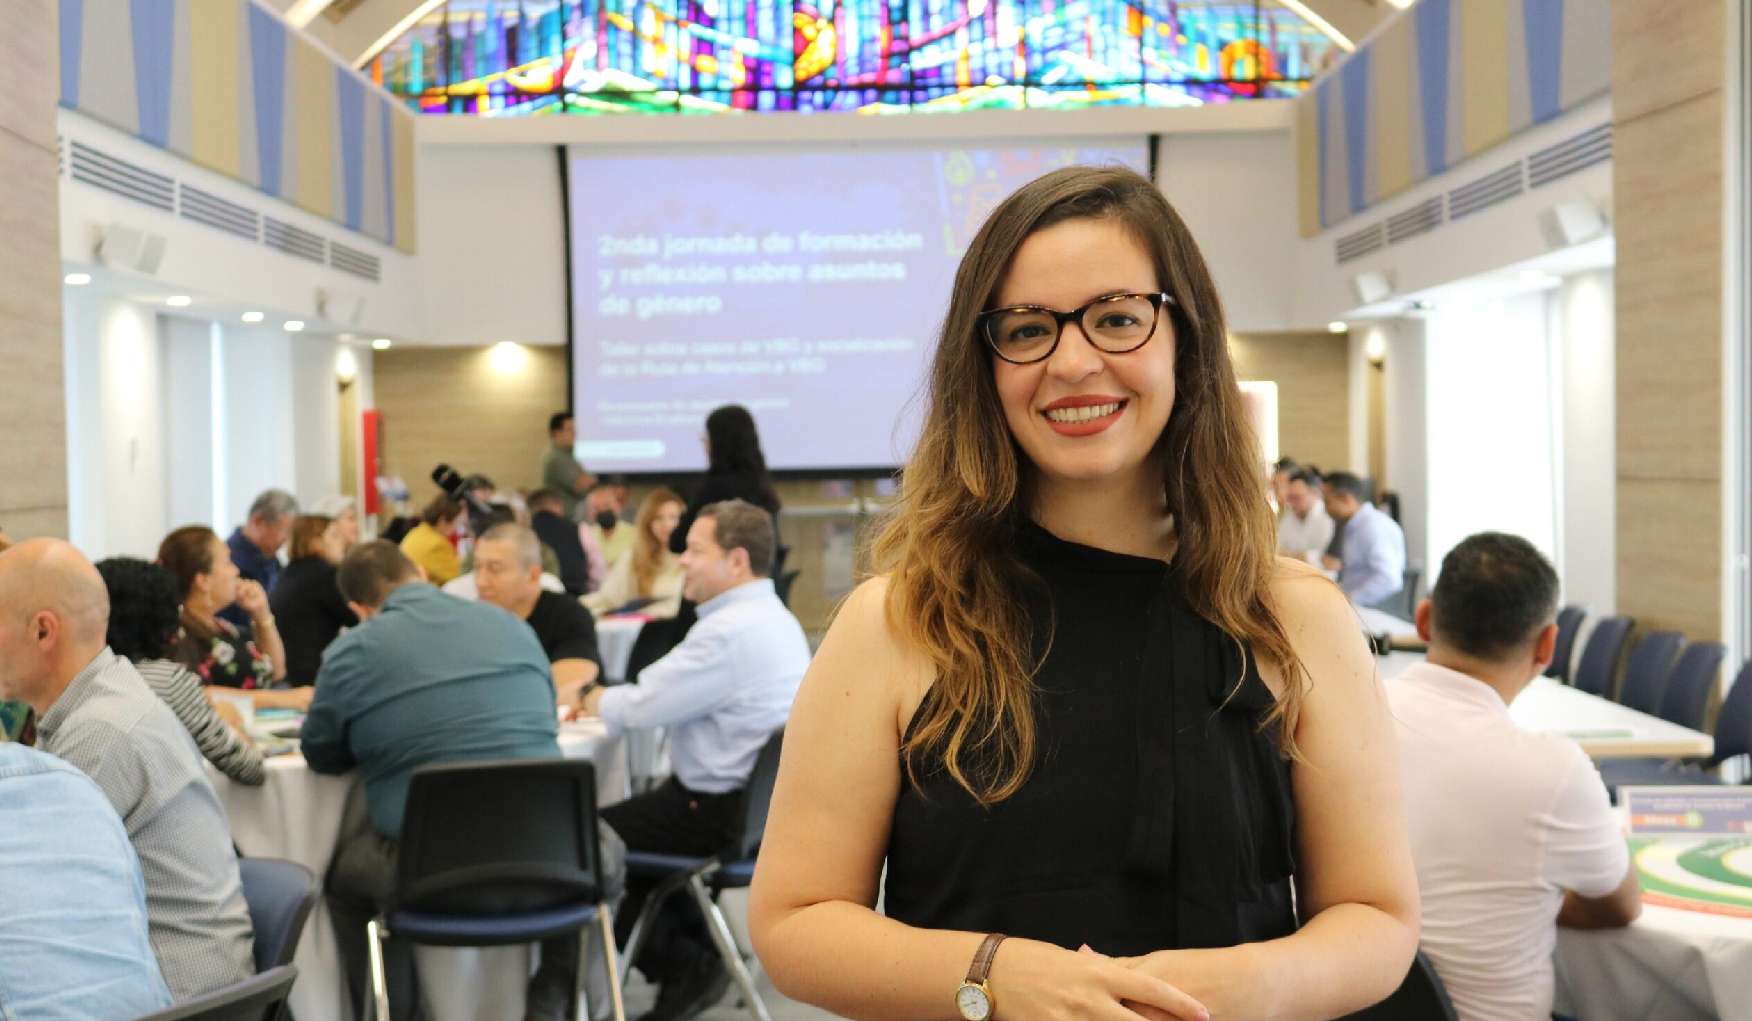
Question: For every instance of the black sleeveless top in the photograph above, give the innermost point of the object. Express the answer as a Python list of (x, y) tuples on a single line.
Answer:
[(1158, 814)]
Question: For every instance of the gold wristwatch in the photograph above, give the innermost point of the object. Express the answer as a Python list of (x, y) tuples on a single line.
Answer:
[(974, 998)]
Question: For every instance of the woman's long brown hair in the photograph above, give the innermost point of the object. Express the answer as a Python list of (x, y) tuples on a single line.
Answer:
[(955, 585), (187, 553), (647, 551)]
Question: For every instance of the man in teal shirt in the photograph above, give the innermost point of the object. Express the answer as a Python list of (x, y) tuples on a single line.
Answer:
[(426, 678)]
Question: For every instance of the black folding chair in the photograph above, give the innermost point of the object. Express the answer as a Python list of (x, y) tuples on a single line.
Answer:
[(1421, 997), (706, 878), (1599, 664), (262, 998), (497, 854), (1569, 622), (1647, 672)]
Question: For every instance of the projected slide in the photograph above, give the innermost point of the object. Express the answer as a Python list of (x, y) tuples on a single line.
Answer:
[(806, 286)]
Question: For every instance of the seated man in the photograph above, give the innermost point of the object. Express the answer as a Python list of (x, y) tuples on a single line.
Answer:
[(508, 574), (95, 711), (425, 678), (562, 536), (1304, 528), (1372, 565), (73, 942), (1511, 831), (721, 692)]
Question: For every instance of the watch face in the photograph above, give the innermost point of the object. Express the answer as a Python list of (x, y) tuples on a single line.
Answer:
[(973, 1002)]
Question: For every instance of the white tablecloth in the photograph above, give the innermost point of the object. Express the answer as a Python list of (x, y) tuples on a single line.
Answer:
[(614, 640), (1671, 965), (296, 815)]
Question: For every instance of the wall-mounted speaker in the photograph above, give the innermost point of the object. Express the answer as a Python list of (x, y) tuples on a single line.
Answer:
[(1372, 286), (122, 247), (1571, 223)]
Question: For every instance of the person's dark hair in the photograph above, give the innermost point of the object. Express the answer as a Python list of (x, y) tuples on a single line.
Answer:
[(558, 420), (736, 451), (1495, 594), (372, 570), (1285, 464), (1389, 502), (605, 481), (187, 553), (1307, 476), (145, 609), (307, 535), (441, 508), (742, 525), (541, 498), (1348, 484)]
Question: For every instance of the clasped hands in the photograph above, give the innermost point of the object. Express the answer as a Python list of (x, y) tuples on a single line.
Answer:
[(1169, 985)]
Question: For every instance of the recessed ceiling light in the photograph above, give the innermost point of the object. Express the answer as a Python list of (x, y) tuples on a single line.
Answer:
[(382, 343), (1336, 327), (76, 279), (507, 357), (294, 325), (177, 300), (252, 317)]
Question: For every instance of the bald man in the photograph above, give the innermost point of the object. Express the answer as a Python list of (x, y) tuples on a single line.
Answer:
[(94, 711)]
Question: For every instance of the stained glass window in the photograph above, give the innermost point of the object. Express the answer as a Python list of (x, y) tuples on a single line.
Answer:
[(511, 58)]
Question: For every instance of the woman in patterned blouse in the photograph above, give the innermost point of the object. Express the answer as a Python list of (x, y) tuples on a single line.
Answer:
[(251, 659)]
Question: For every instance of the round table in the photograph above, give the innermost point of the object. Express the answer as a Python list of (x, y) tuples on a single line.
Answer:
[(296, 815), (615, 637)]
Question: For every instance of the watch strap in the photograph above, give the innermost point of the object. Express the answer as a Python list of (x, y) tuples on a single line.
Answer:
[(982, 960)]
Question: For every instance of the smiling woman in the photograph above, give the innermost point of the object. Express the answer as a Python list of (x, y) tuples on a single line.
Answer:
[(1084, 705)]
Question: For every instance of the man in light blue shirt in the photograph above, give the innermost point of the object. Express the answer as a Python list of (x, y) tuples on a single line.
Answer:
[(721, 692), (73, 938), (1372, 567)]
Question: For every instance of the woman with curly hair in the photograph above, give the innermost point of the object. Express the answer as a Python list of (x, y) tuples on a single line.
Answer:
[(143, 627)]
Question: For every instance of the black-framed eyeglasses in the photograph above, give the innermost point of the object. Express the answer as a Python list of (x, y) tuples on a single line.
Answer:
[(1114, 323)]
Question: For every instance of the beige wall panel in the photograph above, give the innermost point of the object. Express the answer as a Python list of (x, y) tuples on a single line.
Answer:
[(1312, 371), (33, 455), (30, 76), (1665, 52), (34, 524), (1668, 216), (450, 405), (1669, 555)]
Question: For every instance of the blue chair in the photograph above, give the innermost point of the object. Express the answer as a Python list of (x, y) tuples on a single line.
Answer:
[(705, 878), (1688, 697), (280, 896), (498, 854), (1651, 664), (1569, 623), (1689, 686), (1599, 663), (262, 998), (1421, 997)]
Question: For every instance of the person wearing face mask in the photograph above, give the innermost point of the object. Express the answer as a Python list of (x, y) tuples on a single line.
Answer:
[(603, 507), (1100, 749)]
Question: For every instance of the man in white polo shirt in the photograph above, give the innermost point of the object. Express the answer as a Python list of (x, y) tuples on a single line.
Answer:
[(1511, 831)]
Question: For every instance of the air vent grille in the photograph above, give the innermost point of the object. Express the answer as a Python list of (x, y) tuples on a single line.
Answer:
[(221, 214), (284, 237), (1567, 157), (1359, 243), (1485, 192), (1419, 219), (351, 260), (120, 177)]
